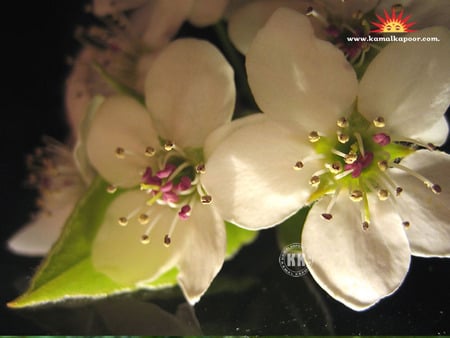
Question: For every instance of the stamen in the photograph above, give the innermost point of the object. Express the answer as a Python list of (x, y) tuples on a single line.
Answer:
[(168, 146), (150, 152), (435, 188), (314, 180), (145, 239), (356, 195), (429, 146), (206, 199), (343, 174), (123, 221), (327, 214), (334, 168), (120, 153), (365, 225), (379, 122), (111, 189), (313, 136), (342, 138), (383, 194), (200, 168), (360, 143), (350, 158), (398, 191), (406, 224), (143, 219), (310, 11), (342, 122), (382, 165), (298, 165), (167, 241), (339, 153)]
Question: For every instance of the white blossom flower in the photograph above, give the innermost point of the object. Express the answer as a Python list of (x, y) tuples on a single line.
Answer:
[(164, 217), (54, 173), (381, 193)]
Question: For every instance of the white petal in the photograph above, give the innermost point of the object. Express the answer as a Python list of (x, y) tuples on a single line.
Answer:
[(109, 7), (37, 237), (409, 83), (163, 19), (247, 20), (295, 76), (190, 91), (207, 12), (220, 134), (203, 258), (355, 266), (118, 252), (436, 134), (121, 122), (250, 175), (428, 213)]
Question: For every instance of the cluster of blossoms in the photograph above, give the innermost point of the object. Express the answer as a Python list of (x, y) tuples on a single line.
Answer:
[(362, 154)]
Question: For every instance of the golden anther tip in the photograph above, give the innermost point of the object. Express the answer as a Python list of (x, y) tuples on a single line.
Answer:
[(200, 168), (145, 239), (343, 138), (398, 191), (327, 217), (436, 188), (167, 240), (120, 152), (150, 151), (143, 219), (314, 136), (379, 122), (365, 225), (382, 165), (298, 165), (406, 224), (342, 122), (356, 195), (383, 194), (206, 199), (111, 189), (335, 168), (315, 180), (309, 10), (168, 146), (350, 158), (123, 221)]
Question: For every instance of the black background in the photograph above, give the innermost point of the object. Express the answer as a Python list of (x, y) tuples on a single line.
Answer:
[(251, 296)]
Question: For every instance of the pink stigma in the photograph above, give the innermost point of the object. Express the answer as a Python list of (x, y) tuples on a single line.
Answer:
[(361, 163), (382, 139)]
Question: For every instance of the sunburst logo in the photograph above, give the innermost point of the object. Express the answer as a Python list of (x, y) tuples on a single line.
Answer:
[(395, 23)]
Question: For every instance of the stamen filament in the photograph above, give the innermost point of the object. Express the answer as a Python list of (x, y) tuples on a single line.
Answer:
[(434, 187), (360, 143)]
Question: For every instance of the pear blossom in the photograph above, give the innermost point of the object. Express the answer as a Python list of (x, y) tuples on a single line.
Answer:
[(163, 218), (53, 172), (361, 154)]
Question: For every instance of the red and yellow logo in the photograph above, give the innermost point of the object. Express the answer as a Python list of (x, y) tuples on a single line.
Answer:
[(393, 24)]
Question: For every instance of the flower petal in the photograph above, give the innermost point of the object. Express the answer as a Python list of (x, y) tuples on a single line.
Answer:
[(203, 259), (355, 266), (297, 77), (436, 134), (117, 251), (207, 12), (190, 91), (121, 122), (37, 237), (250, 175), (109, 7), (409, 83), (428, 213), (248, 19), (345, 10)]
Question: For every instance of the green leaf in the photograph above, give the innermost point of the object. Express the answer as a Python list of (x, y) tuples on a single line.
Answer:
[(290, 231), (236, 238), (67, 272)]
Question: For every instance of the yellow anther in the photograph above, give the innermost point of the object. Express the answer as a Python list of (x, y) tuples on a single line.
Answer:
[(145, 239), (342, 122), (298, 165), (111, 189), (436, 189), (150, 151), (168, 146), (167, 240), (350, 158), (120, 152), (365, 225), (406, 224), (315, 180), (143, 219), (379, 122), (123, 221), (383, 194), (382, 165), (314, 136), (335, 168), (206, 199), (398, 191), (343, 138), (356, 195)]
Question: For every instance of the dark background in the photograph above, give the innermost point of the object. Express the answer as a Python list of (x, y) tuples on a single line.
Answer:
[(251, 296)]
